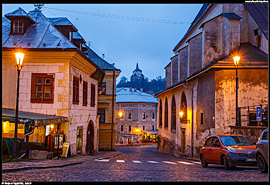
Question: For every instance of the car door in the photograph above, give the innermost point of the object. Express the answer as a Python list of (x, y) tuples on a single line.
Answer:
[(215, 150), (264, 143), (205, 149)]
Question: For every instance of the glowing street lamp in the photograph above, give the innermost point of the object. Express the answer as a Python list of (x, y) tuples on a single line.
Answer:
[(236, 60), (19, 59)]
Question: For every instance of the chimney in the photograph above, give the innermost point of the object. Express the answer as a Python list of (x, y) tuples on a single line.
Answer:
[(103, 55)]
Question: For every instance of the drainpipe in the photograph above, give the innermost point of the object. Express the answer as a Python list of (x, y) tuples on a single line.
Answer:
[(112, 108), (192, 122)]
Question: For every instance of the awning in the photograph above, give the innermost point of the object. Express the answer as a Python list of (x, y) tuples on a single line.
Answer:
[(30, 118), (150, 131), (126, 135)]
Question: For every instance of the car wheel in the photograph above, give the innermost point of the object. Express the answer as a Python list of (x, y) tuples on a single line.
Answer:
[(261, 164), (203, 162), (226, 163)]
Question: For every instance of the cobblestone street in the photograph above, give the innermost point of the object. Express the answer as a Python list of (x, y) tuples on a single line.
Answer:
[(137, 164)]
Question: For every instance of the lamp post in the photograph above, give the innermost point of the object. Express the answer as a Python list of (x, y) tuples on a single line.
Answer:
[(19, 59), (236, 60)]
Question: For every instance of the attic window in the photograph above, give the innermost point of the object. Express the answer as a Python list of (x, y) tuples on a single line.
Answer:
[(18, 27)]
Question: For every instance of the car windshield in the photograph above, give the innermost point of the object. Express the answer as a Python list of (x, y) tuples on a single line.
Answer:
[(234, 140)]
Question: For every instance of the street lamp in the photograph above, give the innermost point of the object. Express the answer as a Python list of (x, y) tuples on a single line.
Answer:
[(19, 59), (236, 60)]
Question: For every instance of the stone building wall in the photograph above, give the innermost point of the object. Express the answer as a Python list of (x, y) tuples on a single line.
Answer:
[(168, 75), (195, 54), (183, 56), (174, 63), (212, 41), (253, 90), (80, 115)]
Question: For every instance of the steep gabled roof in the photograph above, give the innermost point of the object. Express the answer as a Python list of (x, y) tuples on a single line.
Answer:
[(259, 12), (103, 64), (19, 13), (62, 21), (197, 18), (40, 35)]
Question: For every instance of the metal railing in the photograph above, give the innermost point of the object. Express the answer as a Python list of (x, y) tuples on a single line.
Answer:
[(248, 116)]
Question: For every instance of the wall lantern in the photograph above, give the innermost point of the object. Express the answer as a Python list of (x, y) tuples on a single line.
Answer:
[(181, 114), (120, 114)]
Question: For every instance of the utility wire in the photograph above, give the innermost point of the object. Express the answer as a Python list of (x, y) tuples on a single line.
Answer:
[(129, 18)]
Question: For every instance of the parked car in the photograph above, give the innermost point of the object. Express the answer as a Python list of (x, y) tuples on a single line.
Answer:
[(262, 151), (230, 150)]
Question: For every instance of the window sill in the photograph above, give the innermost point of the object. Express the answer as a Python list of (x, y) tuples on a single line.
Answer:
[(41, 101)]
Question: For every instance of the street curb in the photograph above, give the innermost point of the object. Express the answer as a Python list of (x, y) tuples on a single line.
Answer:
[(57, 166), (39, 167)]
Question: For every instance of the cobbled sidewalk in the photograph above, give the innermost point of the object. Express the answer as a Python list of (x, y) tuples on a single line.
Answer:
[(62, 162)]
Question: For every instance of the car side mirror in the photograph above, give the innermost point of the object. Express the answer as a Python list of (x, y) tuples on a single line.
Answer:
[(254, 143)]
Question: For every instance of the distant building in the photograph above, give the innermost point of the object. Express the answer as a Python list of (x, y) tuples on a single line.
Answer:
[(201, 78), (137, 78), (136, 114)]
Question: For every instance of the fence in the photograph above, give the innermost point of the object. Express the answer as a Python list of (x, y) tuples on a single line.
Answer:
[(248, 116)]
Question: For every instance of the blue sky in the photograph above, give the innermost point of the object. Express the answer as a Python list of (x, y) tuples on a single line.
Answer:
[(126, 33)]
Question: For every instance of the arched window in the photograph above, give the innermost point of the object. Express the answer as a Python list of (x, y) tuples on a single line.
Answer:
[(173, 115), (166, 114), (160, 114), (183, 106)]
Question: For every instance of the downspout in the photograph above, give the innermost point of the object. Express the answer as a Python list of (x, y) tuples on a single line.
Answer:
[(112, 108), (192, 122)]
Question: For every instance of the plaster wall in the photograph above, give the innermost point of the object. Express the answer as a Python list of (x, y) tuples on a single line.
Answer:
[(195, 54), (168, 75), (183, 56), (80, 115), (174, 63), (253, 90)]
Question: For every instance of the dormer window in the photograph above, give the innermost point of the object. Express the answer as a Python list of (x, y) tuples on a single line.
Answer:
[(20, 21), (18, 27)]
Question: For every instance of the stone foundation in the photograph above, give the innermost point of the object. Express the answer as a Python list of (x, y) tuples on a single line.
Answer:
[(249, 132), (169, 147)]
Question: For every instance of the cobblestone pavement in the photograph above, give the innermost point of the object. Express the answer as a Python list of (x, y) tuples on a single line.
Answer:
[(137, 164)]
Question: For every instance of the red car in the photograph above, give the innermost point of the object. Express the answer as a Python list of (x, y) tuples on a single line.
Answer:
[(229, 150)]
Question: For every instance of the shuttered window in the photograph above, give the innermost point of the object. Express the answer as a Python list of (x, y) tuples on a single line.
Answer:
[(93, 95), (42, 88), (75, 90), (85, 87)]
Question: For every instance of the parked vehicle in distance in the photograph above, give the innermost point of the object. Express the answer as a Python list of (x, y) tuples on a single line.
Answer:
[(262, 151), (230, 150)]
